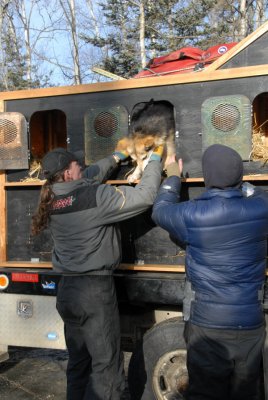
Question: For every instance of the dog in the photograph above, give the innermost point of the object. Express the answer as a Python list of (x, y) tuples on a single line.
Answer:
[(152, 125)]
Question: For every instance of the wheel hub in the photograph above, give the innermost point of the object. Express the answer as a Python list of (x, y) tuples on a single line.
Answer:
[(170, 377)]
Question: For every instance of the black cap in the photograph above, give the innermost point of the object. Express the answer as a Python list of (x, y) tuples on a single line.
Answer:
[(222, 167), (57, 160)]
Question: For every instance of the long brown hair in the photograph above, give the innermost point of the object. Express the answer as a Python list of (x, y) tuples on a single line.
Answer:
[(41, 217)]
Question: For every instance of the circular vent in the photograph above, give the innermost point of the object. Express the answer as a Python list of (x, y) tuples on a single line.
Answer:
[(105, 124), (8, 132), (225, 117)]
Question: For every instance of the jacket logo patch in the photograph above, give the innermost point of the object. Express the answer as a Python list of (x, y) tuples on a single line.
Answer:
[(63, 203)]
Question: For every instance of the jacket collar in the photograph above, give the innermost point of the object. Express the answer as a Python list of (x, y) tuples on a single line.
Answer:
[(67, 187), (226, 193)]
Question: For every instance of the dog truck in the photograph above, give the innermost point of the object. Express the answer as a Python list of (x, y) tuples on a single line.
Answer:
[(225, 102)]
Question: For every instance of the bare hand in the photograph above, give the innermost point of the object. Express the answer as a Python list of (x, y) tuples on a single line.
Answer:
[(179, 164), (170, 159)]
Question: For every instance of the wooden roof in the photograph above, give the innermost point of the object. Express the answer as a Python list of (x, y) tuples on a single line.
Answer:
[(247, 41)]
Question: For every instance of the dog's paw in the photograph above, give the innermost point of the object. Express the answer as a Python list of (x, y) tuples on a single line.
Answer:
[(133, 178), (136, 175), (124, 144)]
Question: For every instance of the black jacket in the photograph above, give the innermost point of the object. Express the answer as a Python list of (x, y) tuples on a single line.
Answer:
[(84, 216)]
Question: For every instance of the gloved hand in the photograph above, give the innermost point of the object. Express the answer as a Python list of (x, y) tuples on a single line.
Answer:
[(121, 150), (157, 153)]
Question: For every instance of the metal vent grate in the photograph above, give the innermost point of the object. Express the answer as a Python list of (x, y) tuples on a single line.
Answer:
[(8, 132), (13, 141), (225, 117), (106, 124), (103, 129), (227, 120)]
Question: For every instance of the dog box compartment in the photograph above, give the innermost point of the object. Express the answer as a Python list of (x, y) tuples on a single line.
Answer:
[(103, 128), (13, 141), (227, 120)]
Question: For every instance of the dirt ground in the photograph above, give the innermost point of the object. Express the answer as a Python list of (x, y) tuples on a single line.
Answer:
[(37, 374)]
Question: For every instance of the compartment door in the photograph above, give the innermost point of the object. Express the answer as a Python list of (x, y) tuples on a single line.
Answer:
[(103, 128), (227, 120), (13, 141)]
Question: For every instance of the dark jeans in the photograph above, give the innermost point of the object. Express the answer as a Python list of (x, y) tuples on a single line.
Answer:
[(223, 364), (88, 307)]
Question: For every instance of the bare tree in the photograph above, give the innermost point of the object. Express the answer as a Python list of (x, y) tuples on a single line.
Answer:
[(28, 28), (69, 9), (93, 18), (26, 20), (243, 17), (92, 25), (69, 37), (260, 12), (3, 7), (142, 34), (13, 60)]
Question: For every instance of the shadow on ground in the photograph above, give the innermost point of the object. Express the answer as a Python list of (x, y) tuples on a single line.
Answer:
[(36, 374)]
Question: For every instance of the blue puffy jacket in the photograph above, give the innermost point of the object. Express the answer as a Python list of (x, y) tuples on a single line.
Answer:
[(225, 235)]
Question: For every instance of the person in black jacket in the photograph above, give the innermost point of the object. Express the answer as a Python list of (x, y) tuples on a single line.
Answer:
[(225, 233), (82, 213)]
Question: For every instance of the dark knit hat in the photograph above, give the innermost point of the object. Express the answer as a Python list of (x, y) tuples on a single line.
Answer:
[(222, 167), (57, 160)]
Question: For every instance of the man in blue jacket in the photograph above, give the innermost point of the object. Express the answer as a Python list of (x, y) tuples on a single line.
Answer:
[(225, 233)]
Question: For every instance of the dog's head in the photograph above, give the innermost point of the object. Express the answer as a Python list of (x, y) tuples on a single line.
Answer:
[(151, 125), (143, 147)]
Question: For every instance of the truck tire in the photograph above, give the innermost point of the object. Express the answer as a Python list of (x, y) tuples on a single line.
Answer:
[(157, 368)]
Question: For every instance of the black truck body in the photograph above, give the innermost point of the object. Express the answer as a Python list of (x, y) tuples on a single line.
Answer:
[(225, 103)]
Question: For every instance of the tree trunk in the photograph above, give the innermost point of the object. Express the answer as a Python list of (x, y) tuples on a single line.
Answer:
[(26, 30), (71, 22), (243, 21), (3, 5), (142, 34), (259, 13)]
